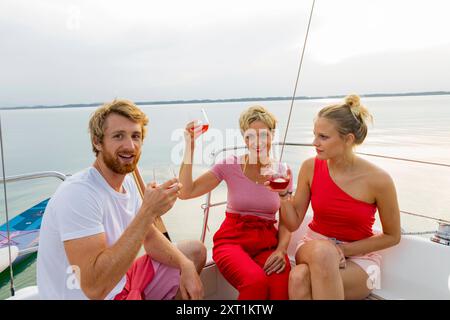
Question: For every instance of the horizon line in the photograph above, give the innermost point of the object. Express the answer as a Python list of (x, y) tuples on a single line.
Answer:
[(279, 98)]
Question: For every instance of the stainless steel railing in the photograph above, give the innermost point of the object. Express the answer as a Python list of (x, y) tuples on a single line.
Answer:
[(24, 177), (36, 175), (443, 224)]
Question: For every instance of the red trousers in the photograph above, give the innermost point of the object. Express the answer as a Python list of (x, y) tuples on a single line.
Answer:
[(241, 247)]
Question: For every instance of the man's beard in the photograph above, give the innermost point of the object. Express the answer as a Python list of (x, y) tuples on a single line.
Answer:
[(113, 163)]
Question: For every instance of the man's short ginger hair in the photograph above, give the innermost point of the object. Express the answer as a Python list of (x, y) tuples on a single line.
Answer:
[(122, 107)]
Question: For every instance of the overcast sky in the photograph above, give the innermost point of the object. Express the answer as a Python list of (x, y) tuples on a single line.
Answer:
[(60, 52)]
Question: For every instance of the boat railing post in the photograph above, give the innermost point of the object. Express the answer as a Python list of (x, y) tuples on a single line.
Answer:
[(207, 203), (205, 216)]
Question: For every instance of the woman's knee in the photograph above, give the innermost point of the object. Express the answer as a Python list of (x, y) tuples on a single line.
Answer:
[(321, 253), (300, 276), (258, 278), (254, 285)]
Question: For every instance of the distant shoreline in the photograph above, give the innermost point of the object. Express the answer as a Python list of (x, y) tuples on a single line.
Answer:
[(373, 95)]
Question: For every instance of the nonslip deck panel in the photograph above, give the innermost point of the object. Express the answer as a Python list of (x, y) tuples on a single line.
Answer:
[(28, 220)]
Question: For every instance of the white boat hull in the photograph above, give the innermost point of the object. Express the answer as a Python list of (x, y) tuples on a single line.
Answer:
[(414, 269), (4, 256)]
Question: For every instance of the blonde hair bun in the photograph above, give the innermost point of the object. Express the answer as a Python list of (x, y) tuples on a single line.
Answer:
[(353, 101), (350, 117)]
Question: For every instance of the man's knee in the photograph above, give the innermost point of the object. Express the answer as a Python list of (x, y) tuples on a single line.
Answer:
[(195, 251), (199, 254)]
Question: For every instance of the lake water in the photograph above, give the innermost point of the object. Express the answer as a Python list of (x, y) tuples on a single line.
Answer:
[(57, 139)]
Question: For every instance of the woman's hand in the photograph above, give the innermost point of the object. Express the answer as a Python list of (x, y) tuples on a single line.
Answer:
[(285, 195), (276, 262), (342, 260), (192, 132), (282, 192)]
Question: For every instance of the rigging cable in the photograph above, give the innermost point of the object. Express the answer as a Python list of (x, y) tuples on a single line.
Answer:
[(11, 274), (298, 77)]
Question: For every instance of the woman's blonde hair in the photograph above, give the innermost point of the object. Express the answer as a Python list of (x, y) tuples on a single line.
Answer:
[(350, 117), (257, 113), (125, 108)]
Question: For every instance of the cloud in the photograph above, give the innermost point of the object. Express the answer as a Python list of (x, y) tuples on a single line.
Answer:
[(352, 28), (59, 52)]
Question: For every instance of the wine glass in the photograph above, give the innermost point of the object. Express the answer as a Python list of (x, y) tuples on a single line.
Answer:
[(163, 173), (279, 176), (201, 122)]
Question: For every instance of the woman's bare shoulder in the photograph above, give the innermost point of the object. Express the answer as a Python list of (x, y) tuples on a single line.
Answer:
[(308, 164), (377, 176), (307, 169)]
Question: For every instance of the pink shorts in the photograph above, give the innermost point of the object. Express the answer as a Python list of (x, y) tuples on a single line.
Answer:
[(370, 262), (155, 281), (165, 284)]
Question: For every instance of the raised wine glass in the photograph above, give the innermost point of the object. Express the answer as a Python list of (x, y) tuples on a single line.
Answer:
[(280, 175)]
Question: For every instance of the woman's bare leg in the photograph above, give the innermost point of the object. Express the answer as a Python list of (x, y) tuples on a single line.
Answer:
[(300, 283), (355, 282), (322, 258)]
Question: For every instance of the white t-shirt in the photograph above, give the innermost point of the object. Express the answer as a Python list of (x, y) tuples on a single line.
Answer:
[(84, 205)]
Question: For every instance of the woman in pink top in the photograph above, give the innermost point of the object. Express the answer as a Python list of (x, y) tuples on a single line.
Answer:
[(248, 249), (336, 258)]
